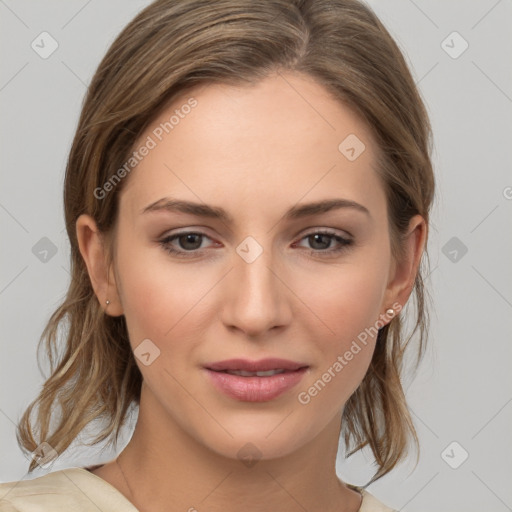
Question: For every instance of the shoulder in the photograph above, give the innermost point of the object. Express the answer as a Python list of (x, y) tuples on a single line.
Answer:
[(63, 490), (370, 503)]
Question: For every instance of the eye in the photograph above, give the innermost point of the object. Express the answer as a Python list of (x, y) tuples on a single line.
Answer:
[(321, 242), (189, 243)]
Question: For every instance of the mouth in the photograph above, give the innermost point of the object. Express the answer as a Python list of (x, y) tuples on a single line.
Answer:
[(255, 381), (243, 373)]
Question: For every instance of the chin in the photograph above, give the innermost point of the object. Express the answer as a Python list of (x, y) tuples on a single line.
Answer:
[(258, 435)]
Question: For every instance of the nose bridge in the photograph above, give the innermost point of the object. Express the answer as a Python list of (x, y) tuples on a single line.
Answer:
[(258, 300)]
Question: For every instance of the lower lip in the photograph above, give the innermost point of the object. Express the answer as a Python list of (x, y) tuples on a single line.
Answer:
[(255, 389)]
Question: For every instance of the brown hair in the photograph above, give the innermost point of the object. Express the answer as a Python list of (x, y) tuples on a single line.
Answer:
[(170, 47)]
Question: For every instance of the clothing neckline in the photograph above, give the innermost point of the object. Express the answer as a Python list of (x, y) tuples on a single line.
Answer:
[(89, 470), (119, 495)]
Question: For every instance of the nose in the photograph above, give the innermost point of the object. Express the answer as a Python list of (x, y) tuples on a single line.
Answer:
[(257, 297)]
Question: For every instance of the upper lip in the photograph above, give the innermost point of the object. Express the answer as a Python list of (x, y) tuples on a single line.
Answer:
[(255, 366)]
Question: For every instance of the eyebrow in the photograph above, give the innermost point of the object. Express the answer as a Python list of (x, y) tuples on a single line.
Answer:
[(215, 212)]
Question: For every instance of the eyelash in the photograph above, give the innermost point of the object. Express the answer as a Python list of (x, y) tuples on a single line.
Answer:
[(344, 244)]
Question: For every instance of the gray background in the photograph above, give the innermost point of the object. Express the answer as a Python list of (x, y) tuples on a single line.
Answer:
[(463, 390)]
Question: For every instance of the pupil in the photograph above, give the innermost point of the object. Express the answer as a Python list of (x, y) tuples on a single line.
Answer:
[(319, 236), (190, 238)]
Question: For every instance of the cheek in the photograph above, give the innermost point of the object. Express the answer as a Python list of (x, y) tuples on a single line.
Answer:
[(159, 298), (163, 299), (346, 299), (348, 302)]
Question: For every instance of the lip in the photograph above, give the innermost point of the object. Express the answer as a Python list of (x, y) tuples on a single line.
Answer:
[(255, 389), (255, 366)]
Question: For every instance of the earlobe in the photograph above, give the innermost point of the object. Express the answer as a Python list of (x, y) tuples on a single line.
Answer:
[(93, 251), (402, 281)]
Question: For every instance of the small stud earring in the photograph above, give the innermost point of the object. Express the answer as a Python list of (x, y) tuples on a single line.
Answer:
[(107, 302), (390, 312)]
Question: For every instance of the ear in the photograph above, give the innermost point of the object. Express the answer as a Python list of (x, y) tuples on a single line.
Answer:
[(93, 251), (403, 272)]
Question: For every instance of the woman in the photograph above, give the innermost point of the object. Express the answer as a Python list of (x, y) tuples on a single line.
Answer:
[(247, 200)]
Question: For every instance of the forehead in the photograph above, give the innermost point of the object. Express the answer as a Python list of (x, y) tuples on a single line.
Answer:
[(256, 147)]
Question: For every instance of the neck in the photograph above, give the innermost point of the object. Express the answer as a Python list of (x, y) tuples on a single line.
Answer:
[(167, 468)]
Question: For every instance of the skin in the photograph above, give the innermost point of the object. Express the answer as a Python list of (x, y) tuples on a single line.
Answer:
[(255, 151)]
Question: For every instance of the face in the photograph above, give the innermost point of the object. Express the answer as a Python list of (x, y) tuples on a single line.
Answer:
[(269, 279)]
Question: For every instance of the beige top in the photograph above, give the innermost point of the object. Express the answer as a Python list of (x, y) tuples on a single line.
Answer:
[(77, 489)]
